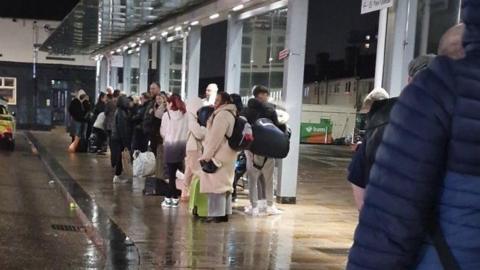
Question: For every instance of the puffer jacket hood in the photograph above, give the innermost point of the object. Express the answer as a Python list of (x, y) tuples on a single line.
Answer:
[(193, 105), (123, 102), (471, 18), (80, 93)]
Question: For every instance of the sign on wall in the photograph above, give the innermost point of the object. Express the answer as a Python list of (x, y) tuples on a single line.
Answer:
[(374, 5), (317, 133)]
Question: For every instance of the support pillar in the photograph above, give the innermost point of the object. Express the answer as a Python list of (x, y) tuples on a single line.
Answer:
[(184, 69), (296, 38), (127, 71), (233, 63), (164, 65), (143, 69), (102, 75), (104, 70), (113, 77), (193, 60), (382, 36), (400, 51)]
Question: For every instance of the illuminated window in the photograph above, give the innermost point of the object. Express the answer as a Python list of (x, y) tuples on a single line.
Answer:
[(8, 90)]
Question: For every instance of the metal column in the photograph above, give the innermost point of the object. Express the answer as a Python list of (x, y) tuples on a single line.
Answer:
[(113, 77), (143, 69), (296, 38), (184, 68), (382, 35), (164, 65), (127, 71), (104, 73), (401, 45), (233, 63), (101, 76), (193, 61)]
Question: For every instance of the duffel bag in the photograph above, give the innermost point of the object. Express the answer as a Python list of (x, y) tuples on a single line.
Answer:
[(269, 140)]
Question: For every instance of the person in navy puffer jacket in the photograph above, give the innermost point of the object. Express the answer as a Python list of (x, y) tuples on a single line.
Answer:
[(427, 169)]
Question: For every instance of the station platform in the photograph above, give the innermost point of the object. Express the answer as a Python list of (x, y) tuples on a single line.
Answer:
[(134, 232)]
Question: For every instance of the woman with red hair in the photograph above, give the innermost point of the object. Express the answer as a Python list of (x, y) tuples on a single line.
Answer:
[(174, 131)]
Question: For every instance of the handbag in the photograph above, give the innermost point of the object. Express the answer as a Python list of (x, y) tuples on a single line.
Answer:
[(211, 166), (127, 162)]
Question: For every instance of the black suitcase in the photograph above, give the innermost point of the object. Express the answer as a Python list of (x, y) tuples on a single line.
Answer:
[(157, 187), (82, 146)]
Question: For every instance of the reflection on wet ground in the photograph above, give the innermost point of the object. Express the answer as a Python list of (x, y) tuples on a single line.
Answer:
[(314, 234), (30, 205)]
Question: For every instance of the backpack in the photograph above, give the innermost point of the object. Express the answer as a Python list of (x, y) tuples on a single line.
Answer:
[(241, 137)]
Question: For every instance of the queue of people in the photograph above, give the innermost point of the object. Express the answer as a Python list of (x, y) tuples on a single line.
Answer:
[(170, 128)]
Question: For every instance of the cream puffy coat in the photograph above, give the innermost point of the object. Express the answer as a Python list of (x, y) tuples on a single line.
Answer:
[(196, 133), (216, 146)]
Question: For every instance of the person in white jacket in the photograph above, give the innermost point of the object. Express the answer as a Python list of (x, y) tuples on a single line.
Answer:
[(174, 132), (195, 137)]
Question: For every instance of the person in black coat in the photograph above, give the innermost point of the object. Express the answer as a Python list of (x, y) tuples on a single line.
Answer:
[(78, 115), (101, 104), (377, 120), (140, 139), (121, 135), (99, 124)]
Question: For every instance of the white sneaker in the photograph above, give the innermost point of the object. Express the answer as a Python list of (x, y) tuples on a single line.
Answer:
[(262, 206), (119, 180), (167, 203), (254, 212), (174, 203), (273, 211)]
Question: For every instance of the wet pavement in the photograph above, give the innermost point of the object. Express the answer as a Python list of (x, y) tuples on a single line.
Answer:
[(313, 234), (34, 215)]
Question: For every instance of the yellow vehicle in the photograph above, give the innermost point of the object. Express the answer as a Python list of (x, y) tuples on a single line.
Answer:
[(7, 128)]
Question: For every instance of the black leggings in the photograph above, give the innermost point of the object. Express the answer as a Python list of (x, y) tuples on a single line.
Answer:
[(117, 150), (173, 192)]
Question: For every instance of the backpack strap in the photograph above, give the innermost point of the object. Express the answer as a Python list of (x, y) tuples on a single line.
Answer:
[(235, 119), (445, 255), (259, 167)]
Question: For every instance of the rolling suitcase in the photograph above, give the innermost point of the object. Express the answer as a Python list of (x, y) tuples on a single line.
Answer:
[(198, 204), (82, 146)]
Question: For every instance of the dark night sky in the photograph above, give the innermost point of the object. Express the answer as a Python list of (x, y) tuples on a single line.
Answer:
[(329, 26), (37, 9)]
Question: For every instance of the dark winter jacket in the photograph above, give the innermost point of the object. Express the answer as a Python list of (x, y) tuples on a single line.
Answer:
[(110, 109), (99, 108), (377, 120), (122, 128), (256, 110), (427, 168), (138, 116), (151, 124), (77, 111)]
